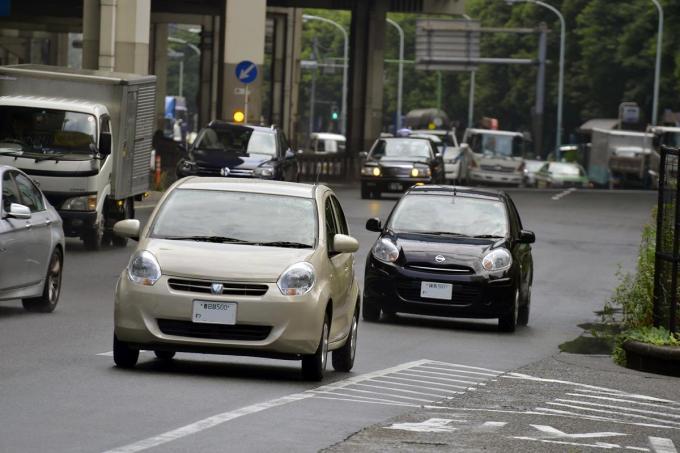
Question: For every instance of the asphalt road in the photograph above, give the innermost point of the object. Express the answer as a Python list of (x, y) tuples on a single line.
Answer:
[(59, 390)]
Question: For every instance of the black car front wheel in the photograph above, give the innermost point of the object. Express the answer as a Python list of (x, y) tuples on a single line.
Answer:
[(508, 322), (370, 310)]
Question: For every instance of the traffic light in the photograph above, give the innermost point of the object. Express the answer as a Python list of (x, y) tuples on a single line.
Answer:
[(334, 113), (239, 116)]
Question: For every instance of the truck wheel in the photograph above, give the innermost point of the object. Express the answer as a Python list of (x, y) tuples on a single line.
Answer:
[(47, 302), (92, 239)]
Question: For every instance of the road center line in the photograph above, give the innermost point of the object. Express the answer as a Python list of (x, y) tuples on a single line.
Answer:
[(563, 194)]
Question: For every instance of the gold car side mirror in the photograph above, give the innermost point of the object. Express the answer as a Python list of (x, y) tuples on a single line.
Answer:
[(128, 228), (344, 244)]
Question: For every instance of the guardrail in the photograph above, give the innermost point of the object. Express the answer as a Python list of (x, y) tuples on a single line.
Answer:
[(667, 259), (332, 167)]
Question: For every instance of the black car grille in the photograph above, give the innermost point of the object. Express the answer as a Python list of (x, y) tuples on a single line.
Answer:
[(396, 171), (462, 294), (202, 170), (442, 268), (213, 331), (497, 168), (228, 288)]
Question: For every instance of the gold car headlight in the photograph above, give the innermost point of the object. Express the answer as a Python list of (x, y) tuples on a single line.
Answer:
[(297, 279), (144, 269)]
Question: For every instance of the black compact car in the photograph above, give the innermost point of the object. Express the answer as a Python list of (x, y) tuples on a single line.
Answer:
[(396, 163), (242, 151), (451, 251)]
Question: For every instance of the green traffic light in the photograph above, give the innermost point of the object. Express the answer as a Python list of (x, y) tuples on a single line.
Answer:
[(334, 115)]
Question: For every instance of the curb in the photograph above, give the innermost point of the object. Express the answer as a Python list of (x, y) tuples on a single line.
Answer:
[(653, 359)]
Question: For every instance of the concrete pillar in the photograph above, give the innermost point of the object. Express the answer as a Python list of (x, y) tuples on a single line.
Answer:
[(367, 51), (62, 47), (107, 34), (160, 68), (91, 25), (205, 91), (244, 34), (291, 90), (278, 59), (133, 19)]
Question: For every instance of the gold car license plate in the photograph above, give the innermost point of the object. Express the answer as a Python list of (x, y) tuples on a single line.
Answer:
[(209, 312), (433, 290)]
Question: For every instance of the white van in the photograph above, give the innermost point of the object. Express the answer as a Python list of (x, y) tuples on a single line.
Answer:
[(497, 156)]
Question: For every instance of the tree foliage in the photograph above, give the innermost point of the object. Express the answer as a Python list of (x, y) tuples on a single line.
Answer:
[(610, 56)]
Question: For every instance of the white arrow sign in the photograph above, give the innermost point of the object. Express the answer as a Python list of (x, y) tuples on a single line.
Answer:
[(246, 72)]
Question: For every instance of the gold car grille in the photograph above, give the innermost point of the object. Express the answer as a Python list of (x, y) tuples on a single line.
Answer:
[(227, 288)]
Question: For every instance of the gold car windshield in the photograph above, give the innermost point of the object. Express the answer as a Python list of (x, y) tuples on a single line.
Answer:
[(450, 214), (237, 217)]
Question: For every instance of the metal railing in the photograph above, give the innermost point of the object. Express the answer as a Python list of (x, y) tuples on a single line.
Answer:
[(331, 167), (667, 260)]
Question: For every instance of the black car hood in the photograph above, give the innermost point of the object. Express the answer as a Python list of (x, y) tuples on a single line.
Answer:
[(221, 159), (397, 163), (457, 251)]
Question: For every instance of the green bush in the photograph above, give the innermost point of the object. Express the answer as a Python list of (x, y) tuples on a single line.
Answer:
[(657, 336)]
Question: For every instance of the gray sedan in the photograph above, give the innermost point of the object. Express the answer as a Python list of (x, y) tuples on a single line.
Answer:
[(31, 243)]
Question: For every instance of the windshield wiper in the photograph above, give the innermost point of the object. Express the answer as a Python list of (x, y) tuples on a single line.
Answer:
[(49, 157), (443, 233), (216, 239), (488, 236), (12, 153), (296, 245)]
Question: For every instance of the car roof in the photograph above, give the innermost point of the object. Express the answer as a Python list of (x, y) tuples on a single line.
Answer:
[(473, 192), (495, 132), (290, 189), (328, 136), (219, 124)]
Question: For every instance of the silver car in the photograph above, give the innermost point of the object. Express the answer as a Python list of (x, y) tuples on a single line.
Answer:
[(31, 243)]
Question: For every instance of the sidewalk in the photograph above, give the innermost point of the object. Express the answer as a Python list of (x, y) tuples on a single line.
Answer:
[(567, 402)]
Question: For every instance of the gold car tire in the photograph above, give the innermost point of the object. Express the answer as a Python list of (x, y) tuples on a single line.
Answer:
[(47, 301), (124, 356), (343, 358), (314, 365)]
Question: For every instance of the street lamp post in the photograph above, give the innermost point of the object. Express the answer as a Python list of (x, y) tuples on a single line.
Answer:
[(343, 113), (400, 78), (657, 70), (560, 88)]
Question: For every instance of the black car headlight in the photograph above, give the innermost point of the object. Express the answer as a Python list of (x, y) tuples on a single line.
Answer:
[(385, 250), (497, 260), (371, 171), (264, 171), (419, 172)]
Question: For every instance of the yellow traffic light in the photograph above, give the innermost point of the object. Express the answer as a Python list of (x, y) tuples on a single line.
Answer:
[(239, 116)]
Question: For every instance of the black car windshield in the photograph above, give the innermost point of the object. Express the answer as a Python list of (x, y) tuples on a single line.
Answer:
[(449, 214), (401, 149), (45, 131), (237, 217), (239, 139)]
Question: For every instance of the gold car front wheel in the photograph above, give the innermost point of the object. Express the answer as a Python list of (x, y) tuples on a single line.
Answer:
[(314, 365)]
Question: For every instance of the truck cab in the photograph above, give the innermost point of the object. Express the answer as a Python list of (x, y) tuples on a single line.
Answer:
[(497, 156), (85, 139)]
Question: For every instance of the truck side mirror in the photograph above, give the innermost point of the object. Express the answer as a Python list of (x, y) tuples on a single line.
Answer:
[(105, 143)]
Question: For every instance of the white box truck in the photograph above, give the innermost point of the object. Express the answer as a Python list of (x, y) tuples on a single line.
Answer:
[(85, 137), (623, 158)]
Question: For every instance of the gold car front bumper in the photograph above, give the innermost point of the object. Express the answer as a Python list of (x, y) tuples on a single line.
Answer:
[(271, 325)]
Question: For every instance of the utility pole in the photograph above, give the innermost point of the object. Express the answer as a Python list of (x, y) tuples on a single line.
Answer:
[(312, 96), (400, 77), (657, 69), (540, 90)]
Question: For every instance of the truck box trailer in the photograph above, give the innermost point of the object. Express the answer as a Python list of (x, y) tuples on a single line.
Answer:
[(84, 136)]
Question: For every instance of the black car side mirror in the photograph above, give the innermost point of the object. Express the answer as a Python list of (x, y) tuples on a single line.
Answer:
[(527, 237), (363, 155), (374, 224), (289, 154)]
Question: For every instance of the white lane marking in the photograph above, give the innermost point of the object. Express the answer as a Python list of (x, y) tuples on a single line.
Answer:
[(208, 422), (399, 378), (382, 381), (563, 194), (428, 373), (577, 415), (527, 377), (457, 365), (662, 445), (106, 354), (637, 448), (432, 425), (602, 445), (408, 373), (402, 390), (486, 375), (619, 400), (368, 402), (494, 425), (361, 398), (602, 411), (349, 389), (554, 432), (610, 406), (632, 395)]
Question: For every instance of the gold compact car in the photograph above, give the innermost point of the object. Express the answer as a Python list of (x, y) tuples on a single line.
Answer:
[(243, 267)]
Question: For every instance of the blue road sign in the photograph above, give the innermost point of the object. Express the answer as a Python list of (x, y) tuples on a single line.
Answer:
[(246, 72)]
